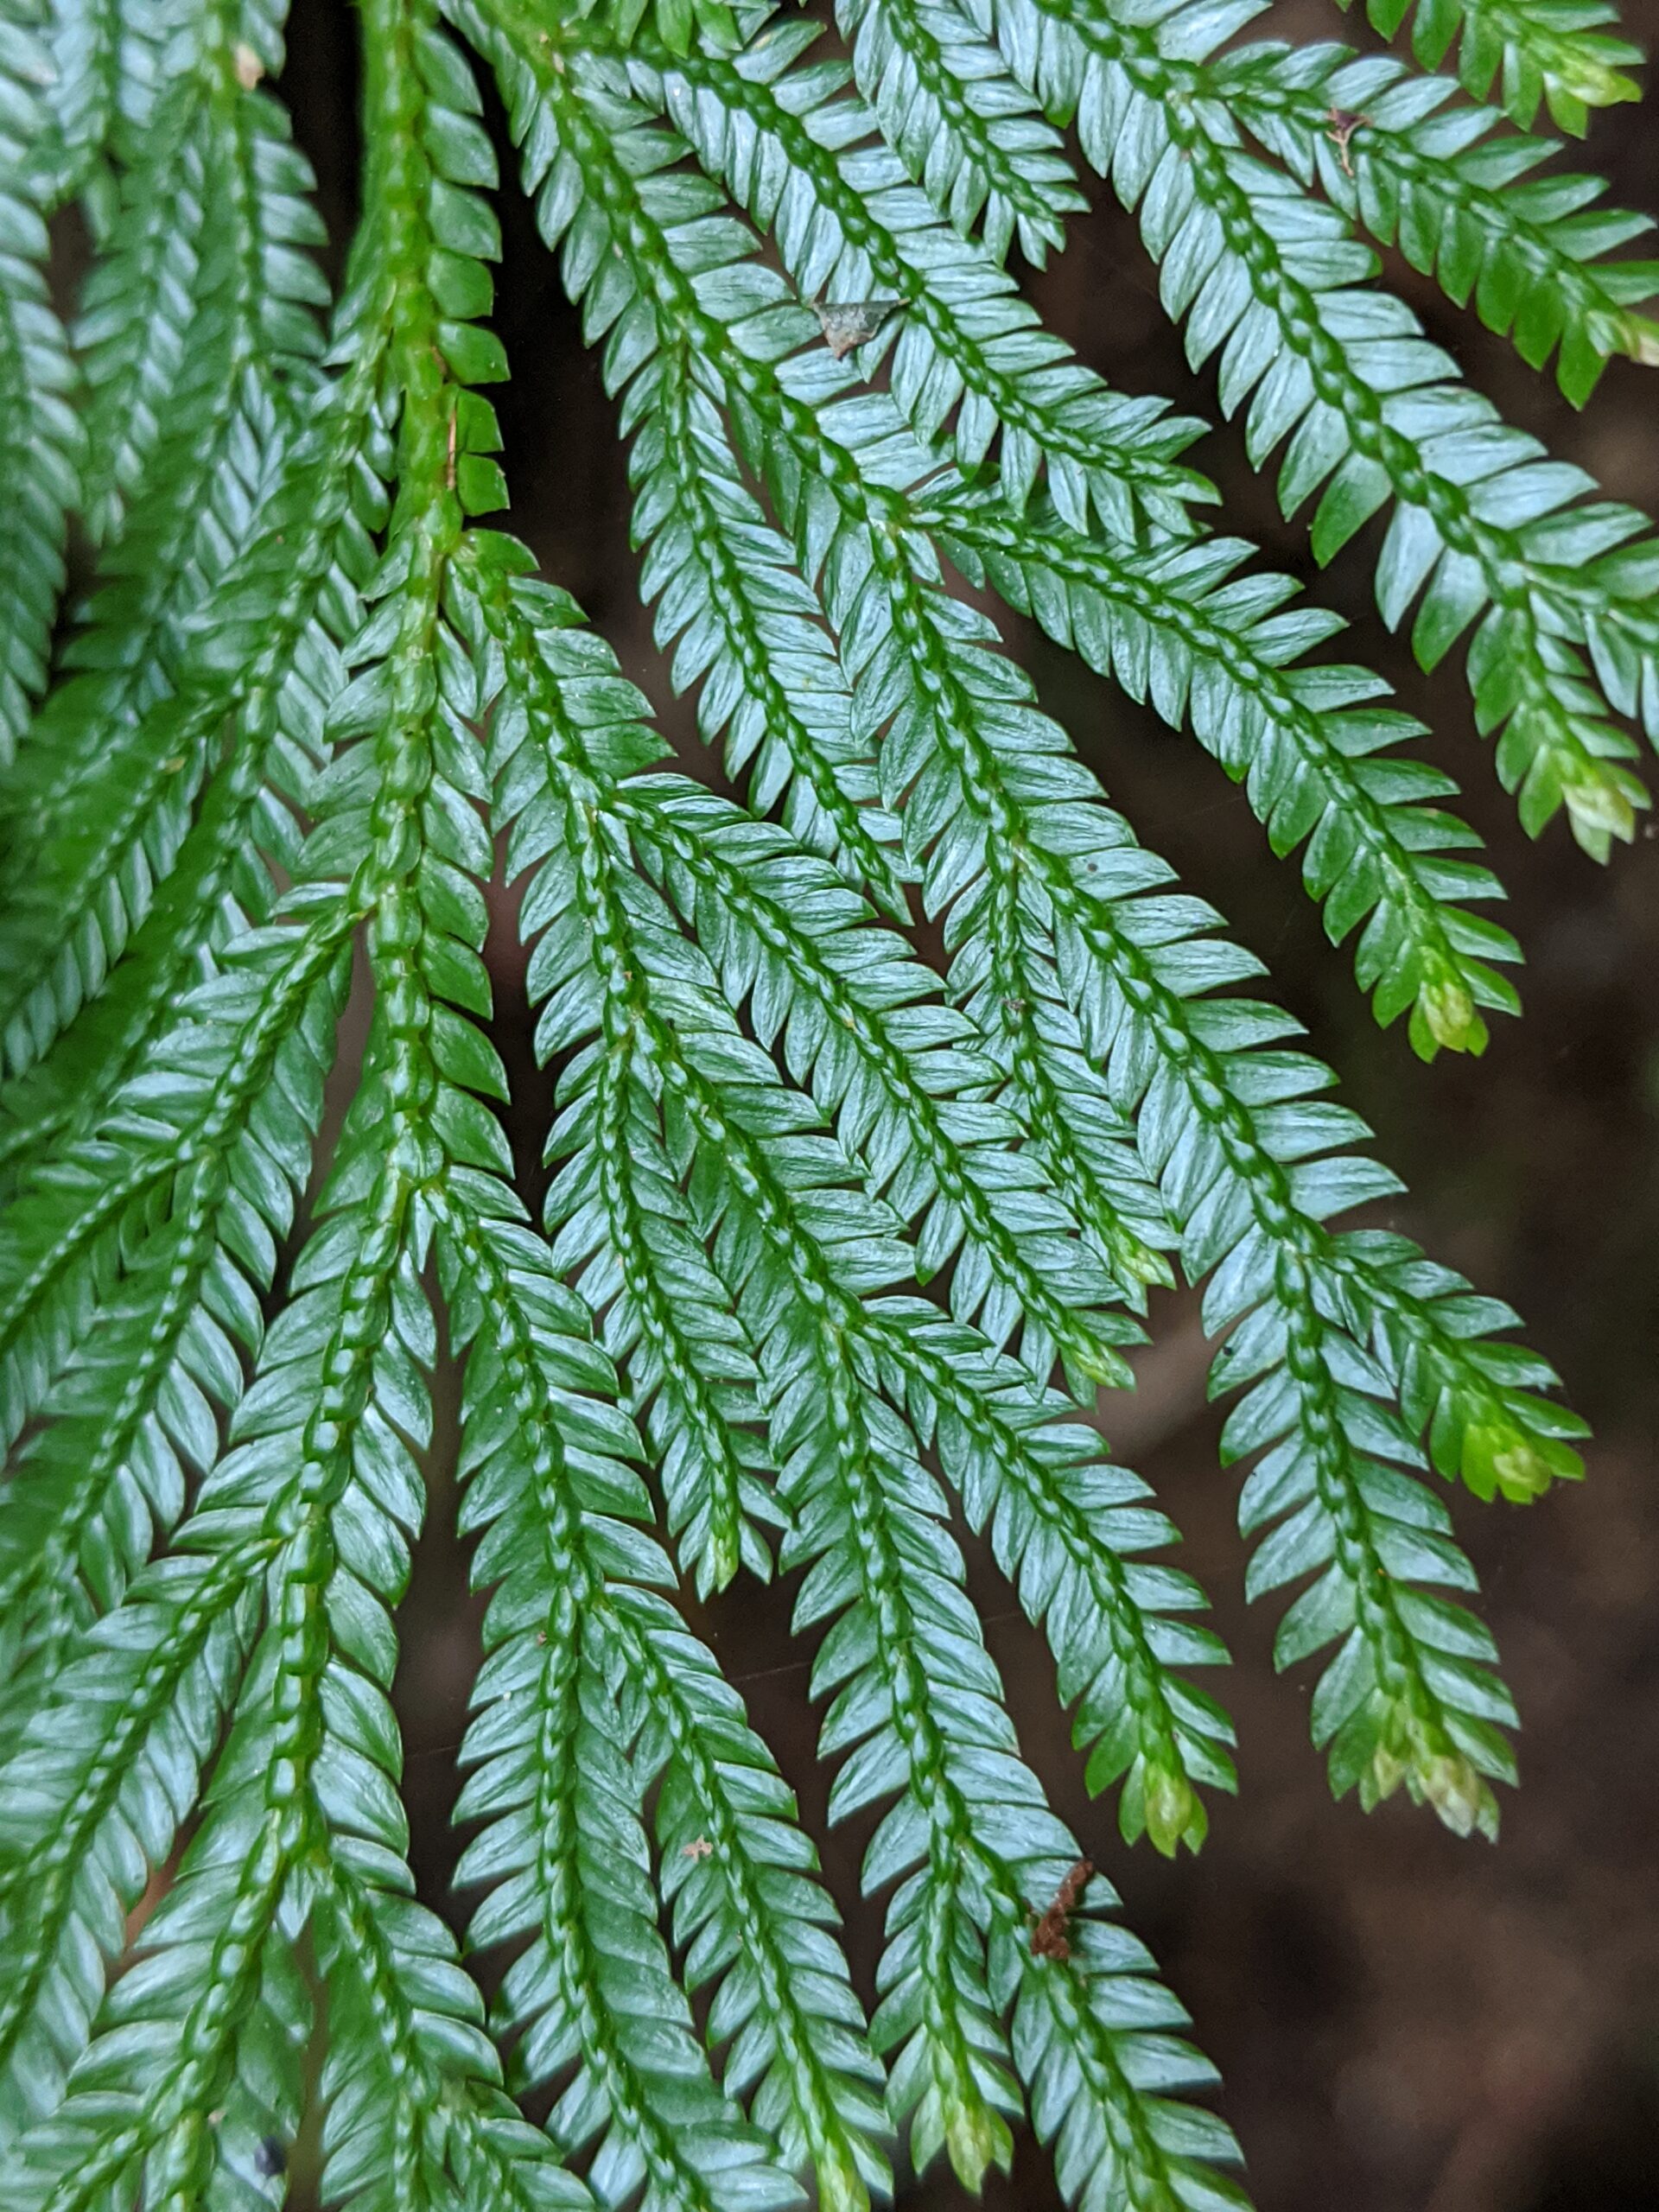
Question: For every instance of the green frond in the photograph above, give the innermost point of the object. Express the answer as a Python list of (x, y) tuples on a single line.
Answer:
[(1484, 528), (1100, 2091), (770, 682), (1248, 1161), (964, 127), (887, 1078), (849, 224), (1447, 187), (1179, 627), (65, 1199), (1420, 951), (753, 1923), (262, 672), (1013, 1459), (961, 727), (417, 2114), (141, 301), (1065, 1529), (1022, 987), (213, 1147), (315, 1464), (39, 436), (317, 1461), (783, 934), (111, 2135), (90, 1807), (886, 1068), (1553, 51), (104, 792), (916, 1710), (80, 86), (265, 2099), (110, 63), (583, 1714)]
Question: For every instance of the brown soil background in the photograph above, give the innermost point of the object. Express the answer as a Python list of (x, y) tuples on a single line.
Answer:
[(1403, 2023)]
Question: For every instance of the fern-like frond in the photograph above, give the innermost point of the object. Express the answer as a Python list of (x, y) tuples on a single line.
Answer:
[(1016, 1458), (887, 1078), (140, 300), (39, 436), (582, 1715), (416, 2113), (848, 224), (316, 1454), (104, 790), (260, 676), (1447, 187), (1558, 52), (197, 1167), (1450, 1727), (961, 124), (916, 1710), (80, 86), (89, 1809), (110, 65), (1180, 628), (1484, 530), (1421, 952)]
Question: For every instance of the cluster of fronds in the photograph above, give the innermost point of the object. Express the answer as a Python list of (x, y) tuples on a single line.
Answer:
[(840, 1245)]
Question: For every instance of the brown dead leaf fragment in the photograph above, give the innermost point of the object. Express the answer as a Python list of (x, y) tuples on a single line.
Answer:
[(1343, 127), (1051, 1932), (846, 323), (700, 1848), (248, 66)]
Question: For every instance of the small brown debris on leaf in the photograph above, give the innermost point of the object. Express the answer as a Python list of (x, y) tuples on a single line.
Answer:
[(1051, 1932), (699, 1849), (846, 323), (248, 66), (1343, 127)]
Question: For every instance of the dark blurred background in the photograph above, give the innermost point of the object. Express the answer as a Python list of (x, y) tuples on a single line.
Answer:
[(1404, 2022)]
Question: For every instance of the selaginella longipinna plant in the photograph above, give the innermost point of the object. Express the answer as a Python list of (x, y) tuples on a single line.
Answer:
[(888, 1077)]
